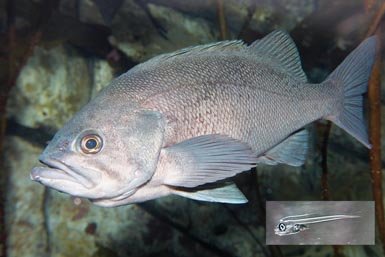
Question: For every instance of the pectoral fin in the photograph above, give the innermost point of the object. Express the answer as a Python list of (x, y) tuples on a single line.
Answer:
[(204, 159), (291, 151), (225, 194)]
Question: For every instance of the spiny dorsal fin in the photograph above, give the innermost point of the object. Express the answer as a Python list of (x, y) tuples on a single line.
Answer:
[(281, 51), (233, 45), (221, 46), (276, 49)]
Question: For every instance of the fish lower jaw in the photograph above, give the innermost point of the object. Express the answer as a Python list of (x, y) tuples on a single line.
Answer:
[(41, 174), (119, 197), (55, 170), (114, 201)]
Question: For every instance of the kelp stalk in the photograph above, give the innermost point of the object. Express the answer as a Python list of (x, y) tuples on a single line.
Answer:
[(375, 151), (221, 19), (324, 131), (374, 94), (376, 20)]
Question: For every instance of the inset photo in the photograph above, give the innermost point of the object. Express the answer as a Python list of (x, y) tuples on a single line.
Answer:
[(320, 223)]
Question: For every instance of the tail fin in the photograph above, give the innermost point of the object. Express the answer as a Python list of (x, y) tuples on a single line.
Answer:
[(354, 73)]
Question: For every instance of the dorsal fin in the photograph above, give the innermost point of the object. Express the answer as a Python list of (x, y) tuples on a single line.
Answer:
[(232, 45), (276, 49), (221, 46), (281, 51)]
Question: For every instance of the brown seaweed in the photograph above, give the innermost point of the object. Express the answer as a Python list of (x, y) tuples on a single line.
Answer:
[(221, 19), (374, 95)]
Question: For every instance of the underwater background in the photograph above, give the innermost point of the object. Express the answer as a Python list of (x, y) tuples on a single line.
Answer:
[(55, 55)]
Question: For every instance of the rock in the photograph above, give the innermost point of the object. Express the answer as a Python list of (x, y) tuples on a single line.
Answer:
[(165, 26), (86, 11), (90, 13), (118, 229), (25, 215), (185, 30), (311, 250), (102, 75), (288, 13), (141, 36), (357, 251), (51, 87), (265, 15)]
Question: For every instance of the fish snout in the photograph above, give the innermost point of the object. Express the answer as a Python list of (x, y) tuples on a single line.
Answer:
[(58, 169), (35, 174)]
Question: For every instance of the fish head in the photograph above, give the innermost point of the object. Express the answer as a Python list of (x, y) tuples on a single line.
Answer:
[(289, 228), (103, 152)]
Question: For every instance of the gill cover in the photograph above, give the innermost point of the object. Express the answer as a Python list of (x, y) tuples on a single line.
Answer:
[(144, 139)]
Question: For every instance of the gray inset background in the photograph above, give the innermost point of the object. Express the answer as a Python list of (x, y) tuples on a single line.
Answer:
[(359, 231)]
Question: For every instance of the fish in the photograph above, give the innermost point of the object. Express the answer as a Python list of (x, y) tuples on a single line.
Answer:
[(295, 224), (184, 123)]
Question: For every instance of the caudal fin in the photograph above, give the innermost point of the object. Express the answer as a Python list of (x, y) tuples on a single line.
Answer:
[(354, 73)]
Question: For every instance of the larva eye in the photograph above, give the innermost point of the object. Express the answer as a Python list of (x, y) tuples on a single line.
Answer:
[(281, 227)]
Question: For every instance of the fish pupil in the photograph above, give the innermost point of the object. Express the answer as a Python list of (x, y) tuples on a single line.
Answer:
[(91, 143)]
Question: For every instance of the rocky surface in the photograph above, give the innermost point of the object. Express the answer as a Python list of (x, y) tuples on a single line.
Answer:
[(26, 228), (57, 80), (157, 29), (52, 86)]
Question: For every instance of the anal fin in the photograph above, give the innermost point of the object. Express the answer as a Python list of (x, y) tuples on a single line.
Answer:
[(225, 194), (291, 151)]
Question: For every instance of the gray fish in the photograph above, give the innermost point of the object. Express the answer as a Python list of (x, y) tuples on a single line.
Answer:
[(181, 122)]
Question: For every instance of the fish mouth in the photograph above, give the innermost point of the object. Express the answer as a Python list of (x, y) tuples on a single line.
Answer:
[(55, 171)]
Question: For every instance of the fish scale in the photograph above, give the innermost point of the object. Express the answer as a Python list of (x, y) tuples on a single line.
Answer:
[(246, 107)]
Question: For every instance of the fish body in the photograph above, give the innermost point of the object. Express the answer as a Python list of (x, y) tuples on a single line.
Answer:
[(182, 121), (294, 224)]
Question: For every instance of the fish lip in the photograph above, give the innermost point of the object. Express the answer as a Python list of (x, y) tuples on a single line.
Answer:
[(60, 167)]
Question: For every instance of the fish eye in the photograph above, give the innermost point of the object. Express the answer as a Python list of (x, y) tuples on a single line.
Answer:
[(281, 227), (91, 144)]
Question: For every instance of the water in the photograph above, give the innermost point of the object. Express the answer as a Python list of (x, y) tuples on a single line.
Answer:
[(82, 46)]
